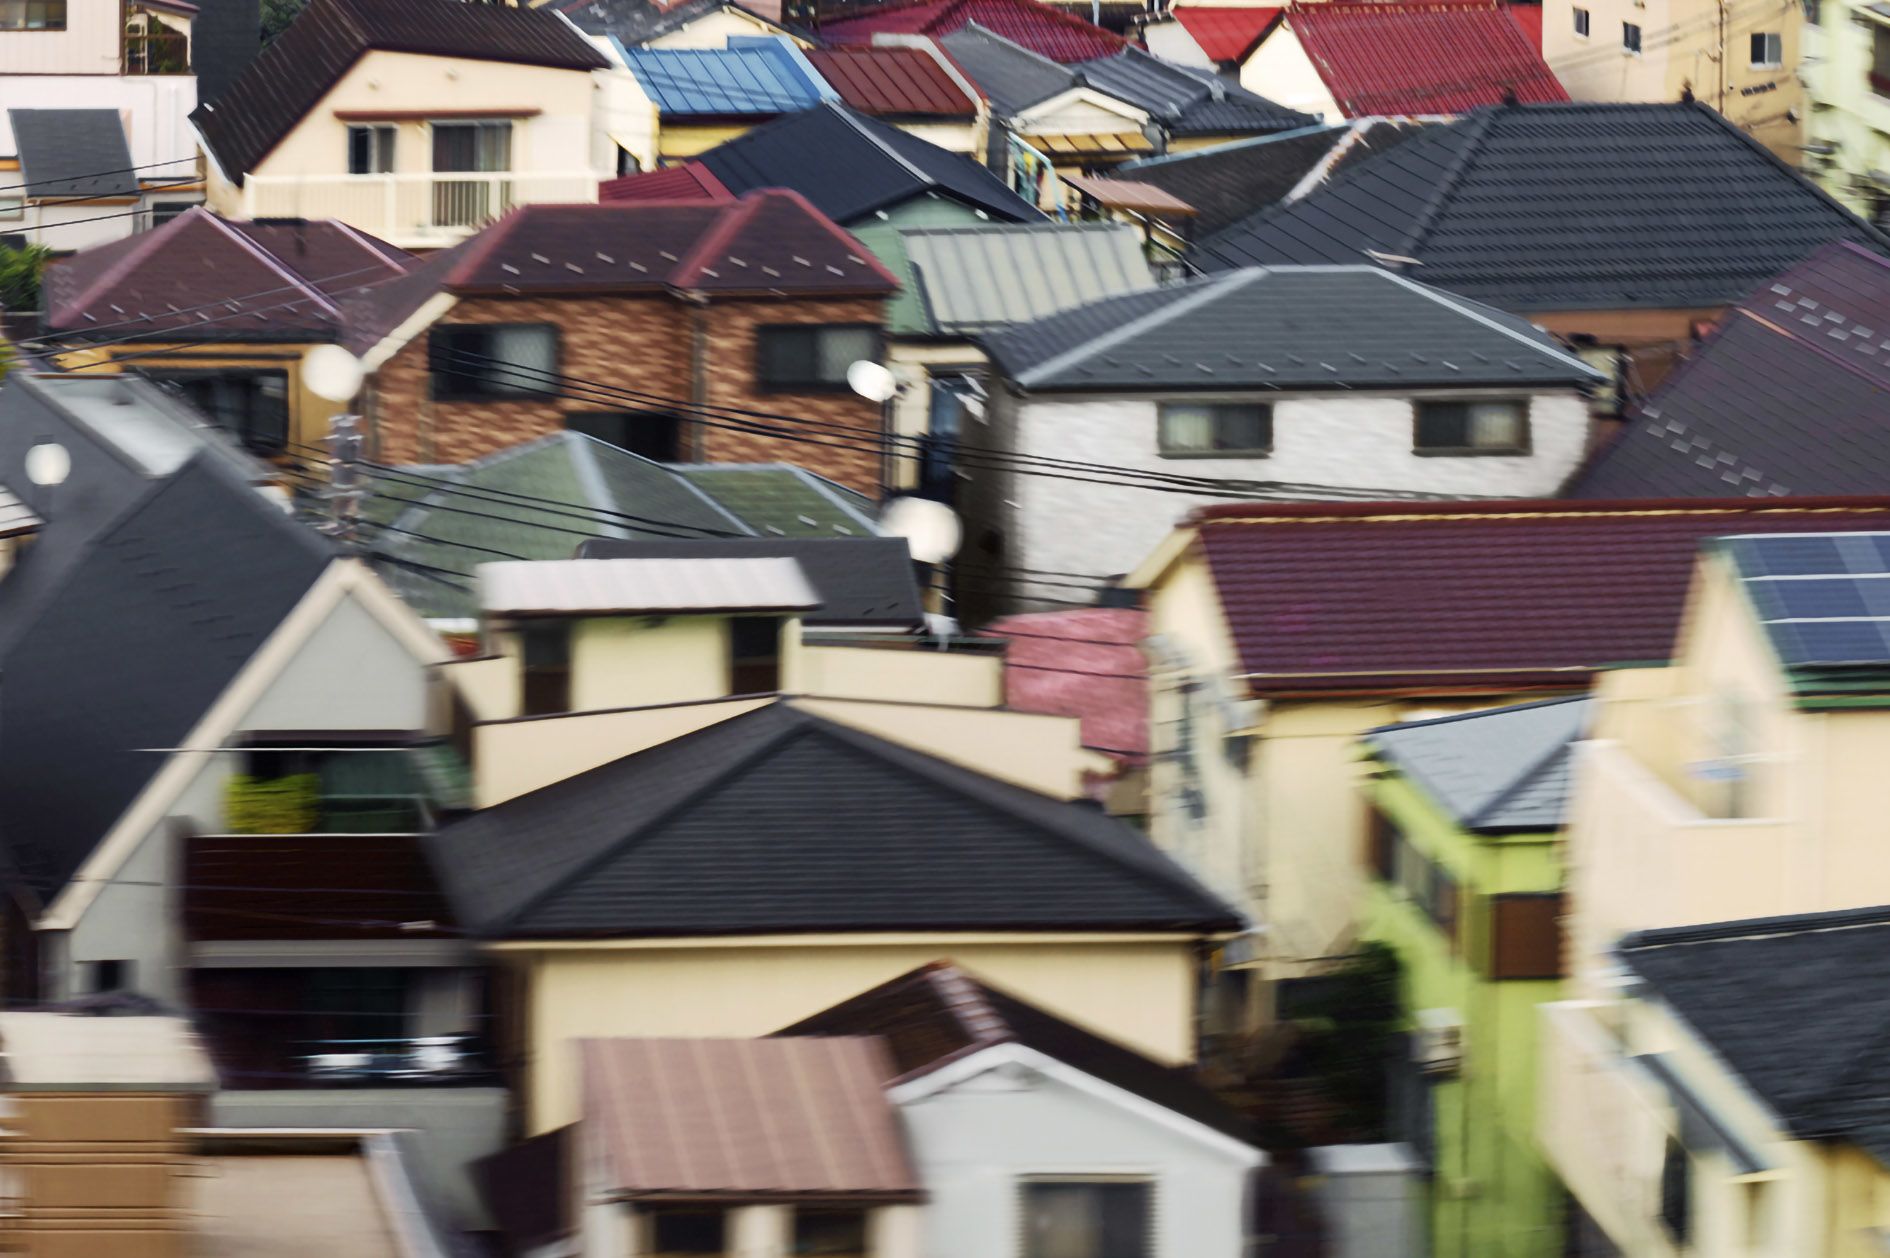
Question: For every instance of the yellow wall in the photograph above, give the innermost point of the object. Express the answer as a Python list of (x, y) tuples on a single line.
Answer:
[(712, 30), (1281, 70), (513, 757), (625, 661), (914, 675), (1138, 990)]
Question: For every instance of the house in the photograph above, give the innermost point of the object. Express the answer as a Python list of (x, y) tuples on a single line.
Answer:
[(1361, 58), (778, 861), (1466, 888), (416, 121), (809, 1158), (660, 327), (1211, 36), (1320, 381), (1191, 107), (189, 669), (1846, 68), (686, 24), (958, 283), (1753, 71), (685, 181), (226, 312), (1493, 206), (913, 86), (1279, 635), (1030, 1132), (1728, 1099), (104, 90), (1786, 396), (702, 96), (1044, 29)]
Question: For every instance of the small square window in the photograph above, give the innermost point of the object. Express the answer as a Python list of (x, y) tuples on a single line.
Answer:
[(813, 358), (1581, 23), (1492, 427), (1631, 37), (1191, 428), (754, 650), (1768, 50), (474, 362), (682, 1230), (370, 150), (546, 646), (1088, 1218), (830, 1233)]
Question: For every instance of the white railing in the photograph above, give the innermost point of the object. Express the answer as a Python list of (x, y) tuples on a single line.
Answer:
[(422, 209)]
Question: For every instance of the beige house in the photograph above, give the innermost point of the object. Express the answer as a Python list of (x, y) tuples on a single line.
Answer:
[(1742, 58), (416, 122)]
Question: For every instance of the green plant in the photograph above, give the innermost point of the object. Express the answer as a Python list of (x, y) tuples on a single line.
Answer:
[(285, 805), (1351, 1027), (276, 16), (20, 274)]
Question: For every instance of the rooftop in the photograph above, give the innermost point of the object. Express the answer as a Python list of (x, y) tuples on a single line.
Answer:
[(1185, 99), (764, 75), (633, 22), (1012, 76), (1496, 205), (860, 582), (1085, 662), (1824, 601), (1226, 35), (1497, 771), (74, 153), (1042, 28), (908, 83), (602, 587), (688, 181)]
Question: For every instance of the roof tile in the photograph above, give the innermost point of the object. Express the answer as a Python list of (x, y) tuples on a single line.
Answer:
[(893, 82), (1226, 34), (1421, 56), (1042, 28)]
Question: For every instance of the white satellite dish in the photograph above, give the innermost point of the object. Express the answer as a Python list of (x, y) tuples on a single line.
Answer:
[(332, 373), (872, 381), (931, 529), (48, 464)]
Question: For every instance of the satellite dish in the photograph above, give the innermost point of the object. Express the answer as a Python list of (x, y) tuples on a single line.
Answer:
[(332, 373), (872, 381), (931, 529), (48, 464)]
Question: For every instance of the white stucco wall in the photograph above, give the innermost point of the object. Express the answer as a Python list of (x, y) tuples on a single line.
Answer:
[(155, 108), (1352, 440), (1281, 71), (975, 1141), (1170, 41)]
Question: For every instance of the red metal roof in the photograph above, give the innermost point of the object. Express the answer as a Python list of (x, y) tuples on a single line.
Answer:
[(1229, 34), (1434, 57), (691, 181), (1439, 596), (1044, 29), (1528, 20), (893, 82), (767, 1118), (1087, 664)]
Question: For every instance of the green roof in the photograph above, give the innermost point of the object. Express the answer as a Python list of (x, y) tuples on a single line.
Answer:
[(781, 500)]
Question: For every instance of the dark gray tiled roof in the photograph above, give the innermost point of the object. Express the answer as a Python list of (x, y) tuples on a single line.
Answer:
[(779, 821), (849, 165), (74, 153), (1563, 207), (1797, 1007), (864, 582), (1010, 75), (1186, 101), (1791, 395), (1504, 769), (1284, 328)]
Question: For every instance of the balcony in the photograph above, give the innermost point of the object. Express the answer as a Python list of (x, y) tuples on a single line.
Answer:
[(156, 52), (412, 210)]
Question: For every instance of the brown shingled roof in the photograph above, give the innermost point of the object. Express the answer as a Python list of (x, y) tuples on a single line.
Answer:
[(893, 82)]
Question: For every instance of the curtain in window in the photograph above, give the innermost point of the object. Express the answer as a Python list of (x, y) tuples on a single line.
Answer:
[(1495, 426), (839, 348), (1187, 428), (529, 356)]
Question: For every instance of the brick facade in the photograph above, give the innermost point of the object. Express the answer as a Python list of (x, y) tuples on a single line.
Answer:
[(641, 343)]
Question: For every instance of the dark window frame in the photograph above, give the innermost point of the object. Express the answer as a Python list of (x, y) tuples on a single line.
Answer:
[(765, 382), (1760, 42), (753, 671), (266, 443), (383, 141), (1220, 411), (1581, 22), (699, 1215), (1524, 449), (25, 8), (1145, 1246), (440, 369), (1631, 37), (855, 1218), (672, 440), (545, 682)]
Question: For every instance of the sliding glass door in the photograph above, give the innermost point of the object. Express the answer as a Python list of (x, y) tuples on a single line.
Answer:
[(473, 148)]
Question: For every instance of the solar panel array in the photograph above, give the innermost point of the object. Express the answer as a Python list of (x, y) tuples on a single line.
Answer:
[(1824, 597)]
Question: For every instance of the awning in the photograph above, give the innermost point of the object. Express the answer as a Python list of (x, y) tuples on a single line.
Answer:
[(1127, 194), (1094, 143)]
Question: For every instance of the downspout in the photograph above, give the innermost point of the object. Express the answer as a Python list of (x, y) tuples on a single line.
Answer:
[(698, 368)]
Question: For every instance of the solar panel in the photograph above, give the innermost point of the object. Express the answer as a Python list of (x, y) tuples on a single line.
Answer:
[(1824, 598)]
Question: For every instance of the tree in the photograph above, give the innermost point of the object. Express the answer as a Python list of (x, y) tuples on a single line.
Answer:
[(277, 14), (20, 272)]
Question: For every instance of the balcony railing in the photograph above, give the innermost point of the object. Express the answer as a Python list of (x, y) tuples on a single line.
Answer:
[(411, 209), (435, 1059), (160, 52)]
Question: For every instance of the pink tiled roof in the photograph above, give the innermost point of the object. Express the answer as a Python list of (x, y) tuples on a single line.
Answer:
[(1227, 34), (1430, 57), (1042, 28), (1085, 663)]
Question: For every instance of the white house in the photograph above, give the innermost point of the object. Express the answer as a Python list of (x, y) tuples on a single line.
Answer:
[(1304, 382)]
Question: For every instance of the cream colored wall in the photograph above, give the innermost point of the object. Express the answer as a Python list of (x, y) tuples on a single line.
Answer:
[(1078, 114), (953, 137), (1041, 753), (1280, 70), (513, 757), (88, 45), (915, 675), (556, 141), (914, 361), (713, 29), (1136, 990), (488, 685), (626, 661)]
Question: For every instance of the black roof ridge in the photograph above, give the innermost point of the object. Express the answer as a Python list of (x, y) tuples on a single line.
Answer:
[(1875, 915)]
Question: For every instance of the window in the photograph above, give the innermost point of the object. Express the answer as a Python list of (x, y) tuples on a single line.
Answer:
[(1880, 60), (829, 1233), (679, 1230), (353, 789), (1581, 23), (32, 15), (813, 358), (1385, 836), (471, 148), (1631, 37), (12, 208), (754, 644), (358, 1004), (1768, 52), (487, 362), (371, 150), (1498, 427), (1813, 13), (652, 434), (109, 976), (163, 212), (1215, 428), (1676, 1192), (546, 646), (254, 405), (1087, 1219)]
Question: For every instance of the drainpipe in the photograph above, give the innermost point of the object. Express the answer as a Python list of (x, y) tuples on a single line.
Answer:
[(698, 367)]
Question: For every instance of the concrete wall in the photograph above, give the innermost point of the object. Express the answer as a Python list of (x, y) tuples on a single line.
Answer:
[(1350, 439), (974, 1143), (1139, 990), (1169, 40)]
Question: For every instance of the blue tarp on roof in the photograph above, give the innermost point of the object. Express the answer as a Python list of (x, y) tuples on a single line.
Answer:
[(755, 75)]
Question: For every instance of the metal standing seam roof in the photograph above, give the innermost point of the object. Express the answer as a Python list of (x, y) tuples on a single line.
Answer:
[(1042, 28), (1187, 100), (772, 1119), (1128, 194), (970, 279), (761, 75), (73, 153), (893, 82), (1226, 34), (862, 582), (1011, 76), (606, 586), (1499, 770)]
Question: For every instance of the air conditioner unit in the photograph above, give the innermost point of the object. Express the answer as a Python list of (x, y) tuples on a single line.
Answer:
[(1437, 1041)]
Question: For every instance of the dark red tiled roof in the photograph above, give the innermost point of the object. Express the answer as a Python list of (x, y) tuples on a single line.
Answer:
[(220, 280), (1042, 28), (1227, 34), (893, 82), (691, 181), (1431, 597), (1086, 663), (1430, 57)]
